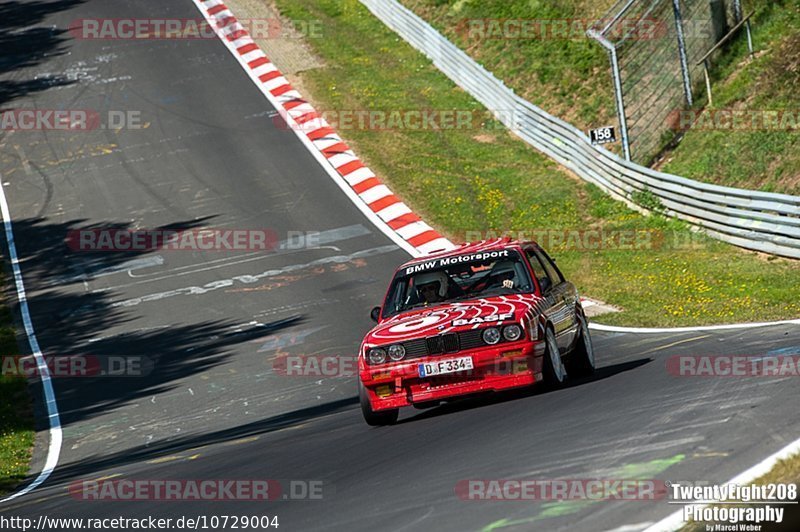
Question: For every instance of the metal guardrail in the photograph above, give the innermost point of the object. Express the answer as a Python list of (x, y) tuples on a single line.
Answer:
[(755, 220)]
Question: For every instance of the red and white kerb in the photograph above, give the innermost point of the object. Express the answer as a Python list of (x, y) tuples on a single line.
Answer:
[(298, 113)]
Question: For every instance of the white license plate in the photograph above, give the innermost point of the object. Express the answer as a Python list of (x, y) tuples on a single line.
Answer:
[(452, 365)]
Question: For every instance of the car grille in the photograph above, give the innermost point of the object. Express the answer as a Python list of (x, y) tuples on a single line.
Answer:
[(443, 344), (471, 339), (416, 348)]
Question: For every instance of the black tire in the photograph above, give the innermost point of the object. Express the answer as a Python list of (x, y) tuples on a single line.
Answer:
[(375, 419), (555, 374), (581, 360)]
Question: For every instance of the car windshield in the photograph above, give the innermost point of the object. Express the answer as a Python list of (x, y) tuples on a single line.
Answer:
[(457, 278)]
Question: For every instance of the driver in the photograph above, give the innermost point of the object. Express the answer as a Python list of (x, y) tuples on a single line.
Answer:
[(431, 287)]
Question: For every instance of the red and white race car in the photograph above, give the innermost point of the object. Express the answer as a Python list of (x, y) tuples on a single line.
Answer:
[(483, 317)]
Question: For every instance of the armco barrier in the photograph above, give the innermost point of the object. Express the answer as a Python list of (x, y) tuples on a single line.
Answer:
[(760, 221)]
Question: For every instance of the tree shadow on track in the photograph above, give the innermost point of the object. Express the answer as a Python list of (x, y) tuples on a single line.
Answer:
[(492, 398), (93, 326), (143, 453), (53, 256), (21, 14), (24, 46)]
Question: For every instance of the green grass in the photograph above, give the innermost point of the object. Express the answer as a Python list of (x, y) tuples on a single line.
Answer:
[(558, 74), (486, 179), (16, 416), (769, 159), (785, 472), (571, 79)]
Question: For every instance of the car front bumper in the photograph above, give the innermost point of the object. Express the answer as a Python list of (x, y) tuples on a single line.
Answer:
[(506, 366)]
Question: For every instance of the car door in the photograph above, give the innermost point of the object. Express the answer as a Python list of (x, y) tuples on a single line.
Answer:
[(561, 296)]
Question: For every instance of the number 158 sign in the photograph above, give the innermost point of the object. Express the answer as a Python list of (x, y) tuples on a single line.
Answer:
[(603, 135)]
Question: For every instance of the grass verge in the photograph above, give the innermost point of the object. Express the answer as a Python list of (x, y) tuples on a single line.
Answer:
[(749, 158), (570, 78), (785, 472), (16, 414), (482, 179)]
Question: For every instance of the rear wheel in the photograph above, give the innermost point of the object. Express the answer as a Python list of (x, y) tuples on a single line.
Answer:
[(376, 419), (555, 374), (581, 360)]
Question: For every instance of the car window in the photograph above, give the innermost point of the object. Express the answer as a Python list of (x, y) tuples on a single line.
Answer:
[(454, 278), (552, 271), (545, 282)]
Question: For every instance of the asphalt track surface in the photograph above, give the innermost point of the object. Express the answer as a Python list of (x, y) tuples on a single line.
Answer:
[(212, 407)]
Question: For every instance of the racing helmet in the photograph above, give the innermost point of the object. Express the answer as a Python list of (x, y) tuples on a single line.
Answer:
[(433, 277)]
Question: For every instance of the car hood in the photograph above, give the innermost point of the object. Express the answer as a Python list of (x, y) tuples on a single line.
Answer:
[(454, 317)]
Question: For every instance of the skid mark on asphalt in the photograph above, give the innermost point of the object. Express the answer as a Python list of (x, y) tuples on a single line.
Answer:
[(251, 279), (283, 340), (633, 471), (283, 281), (679, 342), (127, 266), (284, 247), (174, 458)]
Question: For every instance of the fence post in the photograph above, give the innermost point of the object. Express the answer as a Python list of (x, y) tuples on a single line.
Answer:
[(687, 83), (737, 11), (623, 121)]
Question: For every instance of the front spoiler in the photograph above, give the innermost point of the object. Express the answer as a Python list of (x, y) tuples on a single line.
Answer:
[(495, 369)]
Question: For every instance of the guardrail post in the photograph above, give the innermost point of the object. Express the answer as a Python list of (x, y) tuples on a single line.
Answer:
[(687, 83)]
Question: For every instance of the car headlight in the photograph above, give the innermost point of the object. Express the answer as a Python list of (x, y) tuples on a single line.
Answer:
[(397, 352), (377, 356), (491, 335), (512, 333)]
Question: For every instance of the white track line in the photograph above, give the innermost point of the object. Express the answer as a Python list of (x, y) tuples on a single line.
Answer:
[(645, 330), (56, 436), (675, 521)]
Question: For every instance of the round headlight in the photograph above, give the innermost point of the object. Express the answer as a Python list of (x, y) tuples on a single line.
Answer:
[(397, 352), (377, 356), (491, 335), (512, 333)]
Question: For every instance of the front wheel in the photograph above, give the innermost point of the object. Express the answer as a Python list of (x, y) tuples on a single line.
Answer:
[(555, 374), (373, 418), (582, 356)]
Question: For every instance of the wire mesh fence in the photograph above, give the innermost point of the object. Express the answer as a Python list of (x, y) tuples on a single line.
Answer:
[(655, 47), (752, 219)]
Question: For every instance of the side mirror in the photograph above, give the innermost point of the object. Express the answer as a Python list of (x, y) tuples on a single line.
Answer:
[(375, 314)]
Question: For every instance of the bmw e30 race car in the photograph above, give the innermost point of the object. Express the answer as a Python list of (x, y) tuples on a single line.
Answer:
[(484, 317)]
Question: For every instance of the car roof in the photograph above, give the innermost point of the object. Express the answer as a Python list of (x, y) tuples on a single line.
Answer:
[(469, 247)]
